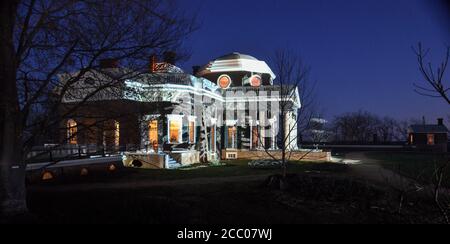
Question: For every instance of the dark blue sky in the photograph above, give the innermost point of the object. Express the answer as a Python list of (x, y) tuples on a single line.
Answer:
[(359, 51)]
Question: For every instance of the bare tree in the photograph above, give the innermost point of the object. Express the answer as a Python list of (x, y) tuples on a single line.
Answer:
[(434, 77), (355, 127), (318, 131), (401, 130), (292, 81), (441, 200), (41, 39)]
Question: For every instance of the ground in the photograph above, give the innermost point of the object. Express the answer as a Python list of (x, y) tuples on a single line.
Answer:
[(418, 166), (351, 190)]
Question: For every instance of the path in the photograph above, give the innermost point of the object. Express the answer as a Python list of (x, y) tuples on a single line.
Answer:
[(369, 169)]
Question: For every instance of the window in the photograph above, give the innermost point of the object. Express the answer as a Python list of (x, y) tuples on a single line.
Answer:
[(224, 81), (231, 133), (153, 132), (430, 139), (255, 138), (174, 131), (116, 133), (411, 139), (213, 139), (72, 132), (255, 81), (192, 132)]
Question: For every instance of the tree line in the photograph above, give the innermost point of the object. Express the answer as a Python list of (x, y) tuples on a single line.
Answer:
[(360, 127)]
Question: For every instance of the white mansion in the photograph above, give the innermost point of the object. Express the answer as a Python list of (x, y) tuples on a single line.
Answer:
[(168, 118)]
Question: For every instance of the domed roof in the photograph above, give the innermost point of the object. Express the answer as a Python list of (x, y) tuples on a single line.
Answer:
[(236, 62), (236, 55)]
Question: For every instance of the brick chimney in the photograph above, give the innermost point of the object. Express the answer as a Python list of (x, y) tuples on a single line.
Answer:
[(109, 63), (195, 70), (152, 64), (170, 57), (440, 121)]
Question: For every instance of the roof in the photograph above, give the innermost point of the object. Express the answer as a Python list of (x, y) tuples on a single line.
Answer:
[(428, 129), (236, 62), (167, 68), (236, 55)]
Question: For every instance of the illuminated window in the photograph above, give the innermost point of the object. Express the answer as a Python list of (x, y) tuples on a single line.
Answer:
[(192, 132), (174, 131), (72, 132), (430, 139), (411, 139), (255, 137), (116, 133), (153, 132), (255, 81), (213, 139), (224, 81), (232, 137)]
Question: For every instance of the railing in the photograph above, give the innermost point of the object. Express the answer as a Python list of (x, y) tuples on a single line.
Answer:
[(255, 89), (175, 79), (54, 153)]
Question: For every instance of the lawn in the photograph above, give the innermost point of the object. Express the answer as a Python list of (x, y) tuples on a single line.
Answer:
[(324, 200), (229, 169), (99, 173), (419, 166), (323, 193)]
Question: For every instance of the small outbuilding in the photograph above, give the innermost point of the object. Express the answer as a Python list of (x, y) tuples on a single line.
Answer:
[(429, 137)]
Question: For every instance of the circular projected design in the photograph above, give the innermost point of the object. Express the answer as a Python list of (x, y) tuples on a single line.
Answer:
[(255, 81), (224, 81)]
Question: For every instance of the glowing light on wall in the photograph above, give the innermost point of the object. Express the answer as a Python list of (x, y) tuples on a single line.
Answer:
[(84, 172), (47, 176), (224, 81), (112, 167)]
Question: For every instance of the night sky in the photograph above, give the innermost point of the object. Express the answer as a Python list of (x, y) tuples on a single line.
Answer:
[(359, 51)]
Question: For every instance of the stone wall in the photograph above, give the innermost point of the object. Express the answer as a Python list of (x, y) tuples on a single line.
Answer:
[(186, 158), (296, 155)]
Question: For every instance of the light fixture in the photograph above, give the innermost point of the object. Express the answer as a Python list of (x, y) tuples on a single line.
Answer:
[(112, 168), (47, 175), (84, 172)]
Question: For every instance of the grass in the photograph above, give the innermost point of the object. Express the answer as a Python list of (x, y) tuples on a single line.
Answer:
[(227, 169), (230, 203), (419, 166), (325, 197)]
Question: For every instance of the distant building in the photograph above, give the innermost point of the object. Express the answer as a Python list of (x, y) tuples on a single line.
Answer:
[(429, 137)]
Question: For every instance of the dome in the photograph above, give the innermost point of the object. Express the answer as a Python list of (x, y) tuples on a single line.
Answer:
[(235, 56), (236, 62)]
